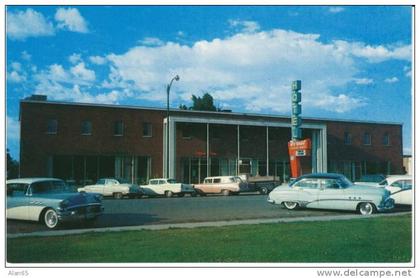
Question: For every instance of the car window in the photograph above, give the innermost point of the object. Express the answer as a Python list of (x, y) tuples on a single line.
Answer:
[(17, 189), (403, 184), (49, 187), (101, 181), (330, 184), (161, 182), (217, 180), (307, 184), (171, 181), (207, 181), (111, 182)]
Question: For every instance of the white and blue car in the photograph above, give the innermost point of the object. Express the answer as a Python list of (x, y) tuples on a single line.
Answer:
[(331, 191), (49, 201)]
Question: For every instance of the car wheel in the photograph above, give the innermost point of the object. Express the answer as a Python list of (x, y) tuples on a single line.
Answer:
[(366, 208), (263, 190), (291, 205), (117, 195), (51, 219), (181, 194), (225, 192), (169, 194)]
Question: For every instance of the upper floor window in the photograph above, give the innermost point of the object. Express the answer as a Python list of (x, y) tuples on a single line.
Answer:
[(347, 138), (52, 126), (367, 139), (118, 128), (385, 140), (147, 129), (86, 128)]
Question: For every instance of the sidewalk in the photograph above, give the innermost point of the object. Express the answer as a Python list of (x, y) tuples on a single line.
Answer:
[(203, 224)]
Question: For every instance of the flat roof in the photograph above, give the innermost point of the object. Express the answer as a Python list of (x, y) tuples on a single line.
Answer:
[(118, 106)]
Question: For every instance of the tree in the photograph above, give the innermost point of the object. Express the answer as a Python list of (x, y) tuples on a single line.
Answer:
[(12, 167), (204, 103)]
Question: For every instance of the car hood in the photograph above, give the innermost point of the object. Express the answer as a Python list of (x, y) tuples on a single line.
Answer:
[(73, 198)]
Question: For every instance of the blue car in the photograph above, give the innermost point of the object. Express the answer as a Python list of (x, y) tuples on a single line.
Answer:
[(50, 201)]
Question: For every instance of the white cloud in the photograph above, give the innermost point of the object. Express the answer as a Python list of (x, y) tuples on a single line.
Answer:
[(363, 81), (151, 41), (15, 77), (407, 71), (240, 69), (336, 10), (82, 73), (75, 58), (97, 60), (391, 80), (340, 104), (28, 23), (375, 54), (245, 26), (13, 129), (70, 19), (26, 56)]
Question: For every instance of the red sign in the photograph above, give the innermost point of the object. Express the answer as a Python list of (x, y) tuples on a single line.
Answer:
[(301, 145)]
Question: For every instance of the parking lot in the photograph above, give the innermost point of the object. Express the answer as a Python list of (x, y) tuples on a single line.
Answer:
[(130, 212)]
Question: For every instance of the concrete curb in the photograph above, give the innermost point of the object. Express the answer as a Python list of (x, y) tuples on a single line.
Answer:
[(202, 224)]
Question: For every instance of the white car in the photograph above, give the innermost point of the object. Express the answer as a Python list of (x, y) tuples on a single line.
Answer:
[(167, 187), (331, 191), (113, 187), (400, 187)]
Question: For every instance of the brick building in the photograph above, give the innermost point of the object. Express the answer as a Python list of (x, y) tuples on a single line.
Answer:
[(83, 142)]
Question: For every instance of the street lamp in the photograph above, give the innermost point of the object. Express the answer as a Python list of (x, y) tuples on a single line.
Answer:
[(168, 89)]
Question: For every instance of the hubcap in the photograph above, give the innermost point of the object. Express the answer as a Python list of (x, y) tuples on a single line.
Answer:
[(366, 209), (290, 205), (51, 219)]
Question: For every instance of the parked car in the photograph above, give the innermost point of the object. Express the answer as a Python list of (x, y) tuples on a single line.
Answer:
[(372, 179), (167, 187), (331, 191), (226, 185), (49, 201), (261, 184), (113, 187), (401, 188)]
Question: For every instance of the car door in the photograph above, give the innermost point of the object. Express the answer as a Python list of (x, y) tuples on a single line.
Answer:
[(17, 201), (307, 191), (151, 188), (110, 187), (331, 195), (401, 191)]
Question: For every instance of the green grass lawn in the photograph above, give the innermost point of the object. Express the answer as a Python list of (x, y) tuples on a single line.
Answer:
[(384, 239)]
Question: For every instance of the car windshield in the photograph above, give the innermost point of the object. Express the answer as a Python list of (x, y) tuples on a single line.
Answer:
[(171, 181), (345, 182), (50, 187)]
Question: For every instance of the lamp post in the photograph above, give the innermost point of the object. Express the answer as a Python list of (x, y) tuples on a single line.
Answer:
[(168, 89)]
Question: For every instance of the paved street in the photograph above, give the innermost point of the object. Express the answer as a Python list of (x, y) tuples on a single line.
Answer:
[(130, 212)]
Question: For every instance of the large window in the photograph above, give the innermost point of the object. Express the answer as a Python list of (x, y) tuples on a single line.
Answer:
[(118, 128), (367, 139), (86, 128), (147, 129), (347, 138), (52, 126), (385, 140)]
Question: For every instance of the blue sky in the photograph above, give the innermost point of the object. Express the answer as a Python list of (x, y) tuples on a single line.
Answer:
[(354, 61)]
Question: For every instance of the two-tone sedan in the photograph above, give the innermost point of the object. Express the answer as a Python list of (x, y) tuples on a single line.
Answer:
[(331, 191), (113, 187), (49, 201)]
